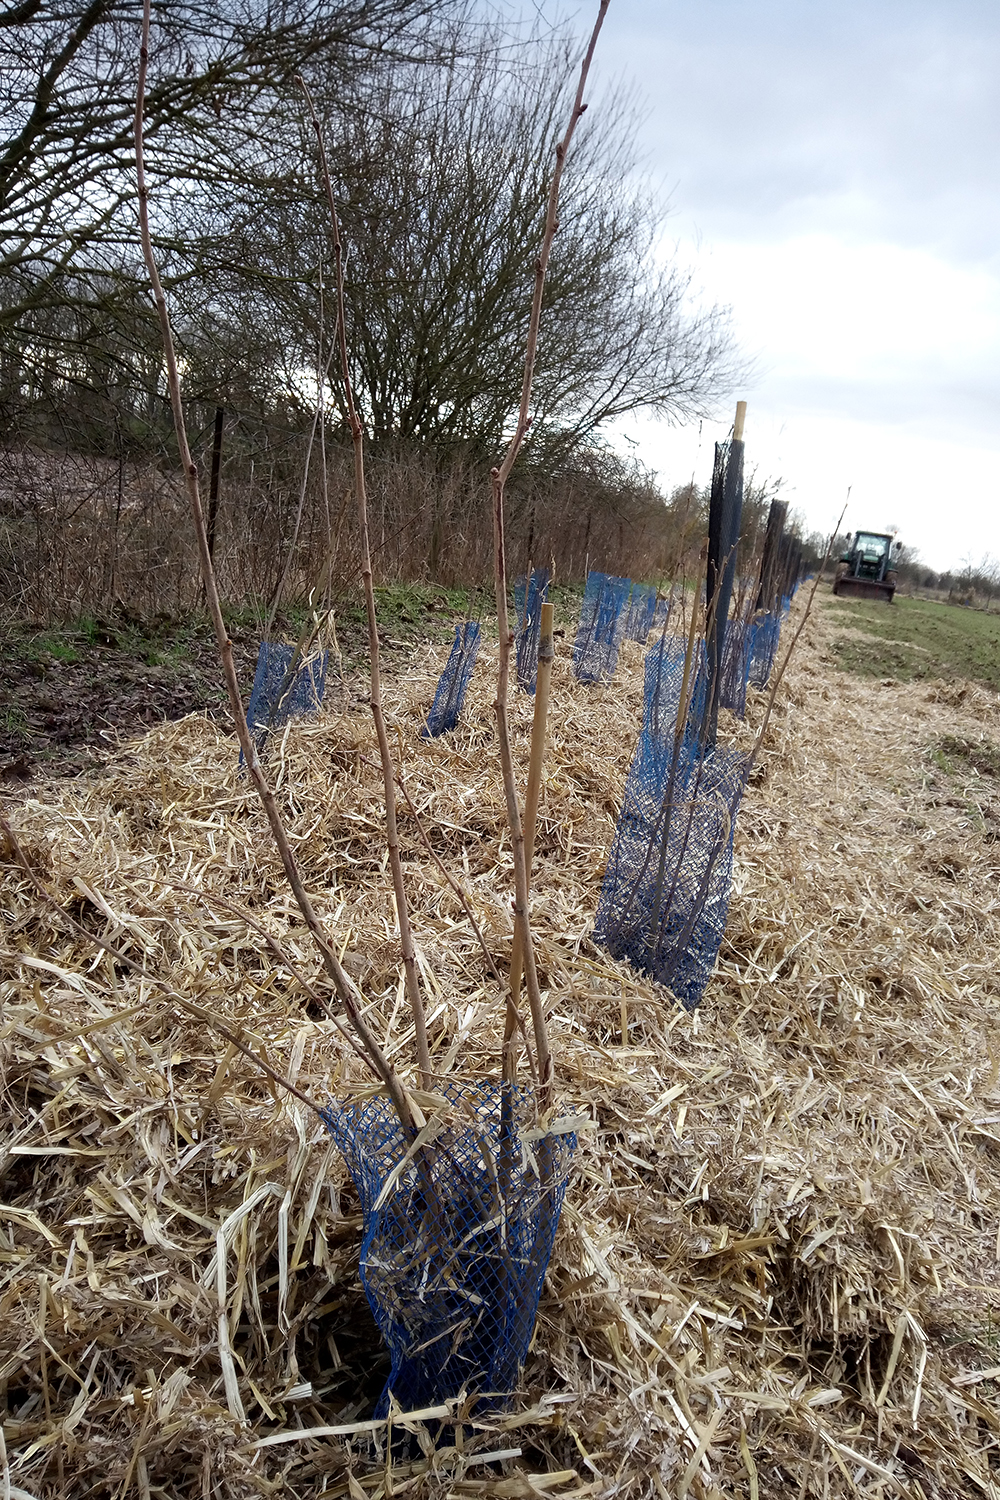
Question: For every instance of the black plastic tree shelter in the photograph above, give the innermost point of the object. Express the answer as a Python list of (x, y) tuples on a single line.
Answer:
[(724, 516), (770, 591)]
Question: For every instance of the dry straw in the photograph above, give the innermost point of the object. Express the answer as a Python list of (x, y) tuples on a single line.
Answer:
[(777, 1270)]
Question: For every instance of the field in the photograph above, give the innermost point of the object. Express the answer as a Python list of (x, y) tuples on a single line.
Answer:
[(917, 640), (778, 1267), (71, 691)]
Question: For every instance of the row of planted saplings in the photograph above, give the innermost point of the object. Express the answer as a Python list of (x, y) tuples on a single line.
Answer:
[(461, 1184)]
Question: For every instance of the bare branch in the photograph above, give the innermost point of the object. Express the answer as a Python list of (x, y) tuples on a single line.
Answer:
[(341, 982), (413, 994), (498, 480)]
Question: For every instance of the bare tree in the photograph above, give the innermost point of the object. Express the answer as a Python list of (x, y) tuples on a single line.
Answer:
[(220, 93), (441, 173), (441, 177)]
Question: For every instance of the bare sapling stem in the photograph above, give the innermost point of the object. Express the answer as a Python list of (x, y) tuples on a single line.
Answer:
[(543, 685), (498, 479), (687, 679), (794, 641), (343, 986), (318, 419), (412, 981)]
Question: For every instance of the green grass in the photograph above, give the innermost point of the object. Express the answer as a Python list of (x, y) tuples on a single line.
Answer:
[(13, 721), (407, 608), (916, 639), (408, 613), (955, 753), (50, 643)]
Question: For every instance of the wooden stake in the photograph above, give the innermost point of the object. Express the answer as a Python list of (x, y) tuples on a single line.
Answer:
[(741, 416)]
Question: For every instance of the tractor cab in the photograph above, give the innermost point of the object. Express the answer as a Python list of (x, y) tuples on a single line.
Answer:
[(871, 554), (866, 571)]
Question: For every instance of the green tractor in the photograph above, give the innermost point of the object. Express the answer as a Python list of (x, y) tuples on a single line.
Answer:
[(866, 571)]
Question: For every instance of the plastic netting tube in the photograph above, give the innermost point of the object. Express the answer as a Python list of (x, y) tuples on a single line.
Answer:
[(665, 896), (529, 596), (454, 681), (285, 686), (453, 1255), (602, 621)]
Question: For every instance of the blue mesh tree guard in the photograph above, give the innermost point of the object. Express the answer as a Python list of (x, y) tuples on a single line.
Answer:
[(737, 654), (454, 681), (665, 896), (772, 597), (640, 613), (282, 691), (662, 682), (599, 634), (529, 620), (456, 1239), (765, 649)]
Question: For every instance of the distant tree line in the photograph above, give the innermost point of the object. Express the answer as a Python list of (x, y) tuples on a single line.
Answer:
[(973, 583)]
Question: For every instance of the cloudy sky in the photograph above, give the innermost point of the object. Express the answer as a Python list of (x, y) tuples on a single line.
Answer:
[(833, 176)]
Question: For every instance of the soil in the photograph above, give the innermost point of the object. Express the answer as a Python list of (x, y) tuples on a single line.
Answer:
[(70, 695)]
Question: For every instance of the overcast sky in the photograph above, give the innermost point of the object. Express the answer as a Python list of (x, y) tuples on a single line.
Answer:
[(832, 171)]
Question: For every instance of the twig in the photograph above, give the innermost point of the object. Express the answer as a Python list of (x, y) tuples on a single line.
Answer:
[(412, 981), (331, 963), (546, 655), (450, 879), (277, 948), (498, 479), (788, 654), (318, 421), (466, 905)]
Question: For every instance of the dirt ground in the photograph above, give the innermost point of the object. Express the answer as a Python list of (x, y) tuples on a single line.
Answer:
[(71, 695)]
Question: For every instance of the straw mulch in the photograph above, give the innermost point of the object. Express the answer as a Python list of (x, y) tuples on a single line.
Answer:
[(777, 1269)]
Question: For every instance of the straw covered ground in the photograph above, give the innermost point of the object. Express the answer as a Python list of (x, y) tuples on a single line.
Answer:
[(777, 1269)]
